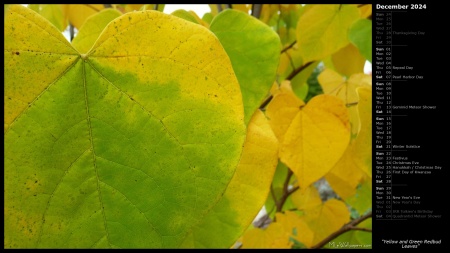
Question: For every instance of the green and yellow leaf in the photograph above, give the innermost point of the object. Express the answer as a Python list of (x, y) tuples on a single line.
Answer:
[(122, 147)]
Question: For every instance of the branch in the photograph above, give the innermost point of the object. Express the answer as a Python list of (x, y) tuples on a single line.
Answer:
[(298, 70), (71, 31), (290, 77), (256, 10), (288, 47), (349, 226), (266, 102), (286, 193), (361, 229)]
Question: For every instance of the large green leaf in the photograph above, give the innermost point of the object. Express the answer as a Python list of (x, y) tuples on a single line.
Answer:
[(120, 147), (254, 51)]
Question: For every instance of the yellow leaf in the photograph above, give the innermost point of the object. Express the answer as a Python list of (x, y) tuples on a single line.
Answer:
[(326, 218), (273, 237), (306, 199), (348, 60), (360, 80), (295, 227), (63, 55), (365, 10), (199, 20), (345, 175), (334, 84), (245, 194), (321, 218), (281, 111), (316, 135), (363, 142), (214, 10), (78, 13), (357, 159), (267, 11), (323, 29)]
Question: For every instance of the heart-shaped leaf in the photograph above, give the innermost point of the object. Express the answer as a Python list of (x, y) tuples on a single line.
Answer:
[(127, 146), (313, 136)]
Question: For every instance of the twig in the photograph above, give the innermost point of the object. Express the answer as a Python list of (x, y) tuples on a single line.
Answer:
[(71, 31), (288, 47), (347, 227), (361, 229), (298, 70), (286, 193), (291, 75)]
